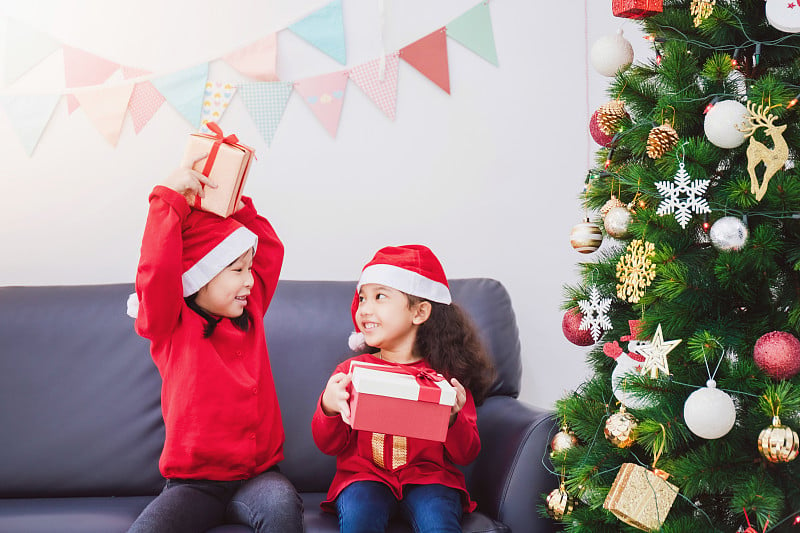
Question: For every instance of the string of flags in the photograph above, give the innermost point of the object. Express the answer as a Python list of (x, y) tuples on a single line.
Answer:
[(200, 100)]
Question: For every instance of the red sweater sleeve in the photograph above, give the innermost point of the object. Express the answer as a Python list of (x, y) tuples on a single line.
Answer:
[(330, 433), (463, 443), (158, 277)]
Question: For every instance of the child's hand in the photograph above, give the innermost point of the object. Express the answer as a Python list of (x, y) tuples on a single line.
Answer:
[(335, 398), (461, 399), (188, 182)]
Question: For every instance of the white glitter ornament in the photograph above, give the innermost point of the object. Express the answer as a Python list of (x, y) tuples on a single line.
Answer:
[(722, 124), (616, 222), (594, 311), (728, 234), (611, 54), (709, 412), (783, 15), (683, 196)]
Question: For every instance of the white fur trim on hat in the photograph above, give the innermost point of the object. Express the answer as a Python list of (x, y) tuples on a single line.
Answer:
[(405, 281), (215, 261), (356, 341)]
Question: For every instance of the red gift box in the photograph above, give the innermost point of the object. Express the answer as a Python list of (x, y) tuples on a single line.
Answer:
[(227, 165), (405, 401), (636, 9)]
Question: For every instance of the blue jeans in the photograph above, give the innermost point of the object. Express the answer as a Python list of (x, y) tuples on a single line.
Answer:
[(267, 503), (367, 506)]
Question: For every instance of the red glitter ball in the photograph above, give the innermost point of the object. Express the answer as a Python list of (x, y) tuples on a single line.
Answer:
[(777, 353), (597, 134), (570, 324)]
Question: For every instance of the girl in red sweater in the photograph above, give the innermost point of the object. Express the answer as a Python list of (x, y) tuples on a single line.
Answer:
[(403, 309), (202, 287)]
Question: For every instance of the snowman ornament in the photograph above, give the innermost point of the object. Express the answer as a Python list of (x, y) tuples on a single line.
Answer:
[(784, 15), (628, 363)]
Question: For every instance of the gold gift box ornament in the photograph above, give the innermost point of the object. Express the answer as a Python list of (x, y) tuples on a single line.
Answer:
[(640, 497)]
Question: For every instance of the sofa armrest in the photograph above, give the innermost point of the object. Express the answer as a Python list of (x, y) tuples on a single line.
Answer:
[(508, 477)]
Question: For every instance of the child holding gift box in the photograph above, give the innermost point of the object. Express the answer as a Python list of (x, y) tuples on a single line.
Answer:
[(403, 308), (202, 287)]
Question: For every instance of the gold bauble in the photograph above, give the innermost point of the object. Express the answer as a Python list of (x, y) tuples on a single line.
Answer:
[(620, 428), (559, 503), (610, 204), (778, 443), (562, 441), (586, 237)]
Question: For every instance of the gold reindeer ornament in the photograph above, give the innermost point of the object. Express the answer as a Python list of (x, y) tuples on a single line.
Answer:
[(773, 158)]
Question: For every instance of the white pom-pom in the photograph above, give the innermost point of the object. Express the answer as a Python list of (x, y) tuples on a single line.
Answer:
[(356, 341), (133, 305)]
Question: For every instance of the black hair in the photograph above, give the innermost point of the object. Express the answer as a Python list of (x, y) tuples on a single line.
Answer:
[(241, 322)]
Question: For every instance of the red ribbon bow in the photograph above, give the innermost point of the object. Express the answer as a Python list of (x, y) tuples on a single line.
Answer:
[(212, 155), (230, 139)]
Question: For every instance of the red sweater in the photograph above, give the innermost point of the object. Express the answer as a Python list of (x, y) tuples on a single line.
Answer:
[(217, 396), (406, 461)]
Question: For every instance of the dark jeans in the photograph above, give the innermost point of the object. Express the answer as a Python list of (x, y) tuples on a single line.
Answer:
[(267, 503), (367, 506)]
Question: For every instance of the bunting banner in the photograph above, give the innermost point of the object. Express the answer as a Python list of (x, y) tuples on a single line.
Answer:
[(325, 96), (82, 69), (473, 30), (184, 91), (429, 56), (25, 48), (106, 108), (29, 115), (257, 60), (145, 99), (265, 101), (382, 92), (216, 98), (325, 30)]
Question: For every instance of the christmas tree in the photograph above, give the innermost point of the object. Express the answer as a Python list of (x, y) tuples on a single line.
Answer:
[(692, 307)]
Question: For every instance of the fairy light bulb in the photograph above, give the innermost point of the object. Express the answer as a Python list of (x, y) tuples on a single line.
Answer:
[(793, 102), (706, 223), (757, 54), (735, 59), (711, 104)]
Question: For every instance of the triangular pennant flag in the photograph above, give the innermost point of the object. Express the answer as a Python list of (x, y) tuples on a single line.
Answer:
[(429, 56), (325, 95), (382, 92), (324, 29), (29, 114), (133, 72), (106, 108), (473, 29), (265, 101), (184, 91), (257, 60), (25, 48), (145, 101), (81, 69), (216, 98)]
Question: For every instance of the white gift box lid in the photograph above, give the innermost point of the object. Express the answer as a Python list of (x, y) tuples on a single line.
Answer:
[(372, 378)]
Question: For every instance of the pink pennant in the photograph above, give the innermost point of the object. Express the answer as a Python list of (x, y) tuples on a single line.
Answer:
[(133, 72), (429, 56), (145, 101), (325, 95), (82, 68), (256, 60), (381, 91), (106, 108)]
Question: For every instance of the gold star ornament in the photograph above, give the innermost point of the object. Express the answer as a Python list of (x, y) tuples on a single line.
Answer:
[(655, 354)]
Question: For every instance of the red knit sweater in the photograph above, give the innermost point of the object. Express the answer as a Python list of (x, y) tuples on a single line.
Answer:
[(218, 397), (405, 461)]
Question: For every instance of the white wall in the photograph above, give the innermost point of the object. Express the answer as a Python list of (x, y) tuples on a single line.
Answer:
[(488, 177)]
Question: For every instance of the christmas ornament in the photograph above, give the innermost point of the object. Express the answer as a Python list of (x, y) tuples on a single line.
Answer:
[(661, 140), (610, 204), (783, 15), (722, 121), (655, 354), (701, 10), (636, 9), (594, 310), (635, 270), (777, 354), (682, 196), (610, 115), (559, 503), (728, 234), (562, 441), (586, 237), (773, 158), (620, 428), (778, 443), (570, 325), (599, 137), (641, 498), (617, 221), (750, 528), (611, 54), (628, 364), (709, 412)]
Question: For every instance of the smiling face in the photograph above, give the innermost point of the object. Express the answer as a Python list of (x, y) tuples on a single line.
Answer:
[(226, 294), (388, 320)]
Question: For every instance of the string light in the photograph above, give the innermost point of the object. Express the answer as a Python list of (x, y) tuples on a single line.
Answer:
[(711, 104), (735, 59), (757, 54), (793, 102), (706, 224)]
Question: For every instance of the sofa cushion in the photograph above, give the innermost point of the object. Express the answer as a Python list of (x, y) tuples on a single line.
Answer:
[(70, 515)]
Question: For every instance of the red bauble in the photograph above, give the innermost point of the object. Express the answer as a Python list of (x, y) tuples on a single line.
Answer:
[(570, 324), (597, 134), (777, 353)]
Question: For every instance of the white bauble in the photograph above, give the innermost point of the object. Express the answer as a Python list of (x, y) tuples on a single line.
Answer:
[(709, 412), (626, 366), (721, 123), (783, 15), (728, 234), (611, 54), (616, 222)]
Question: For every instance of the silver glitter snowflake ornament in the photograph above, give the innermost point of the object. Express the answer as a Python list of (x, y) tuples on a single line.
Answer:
[(683, 196)]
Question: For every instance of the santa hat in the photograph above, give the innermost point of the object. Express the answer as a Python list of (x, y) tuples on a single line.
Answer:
[(412, 269), (210, 243)]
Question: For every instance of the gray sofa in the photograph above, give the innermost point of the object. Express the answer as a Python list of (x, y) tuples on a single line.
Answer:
[(81, 423)]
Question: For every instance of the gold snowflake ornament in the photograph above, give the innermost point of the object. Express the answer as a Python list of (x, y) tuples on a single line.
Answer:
[(635, 270), (701, 10)]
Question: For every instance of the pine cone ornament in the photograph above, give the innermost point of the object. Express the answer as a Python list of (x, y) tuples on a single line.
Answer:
[(609, 116), (662, 139)]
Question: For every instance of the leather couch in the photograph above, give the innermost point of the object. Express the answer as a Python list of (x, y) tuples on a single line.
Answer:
[(81, 421)]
